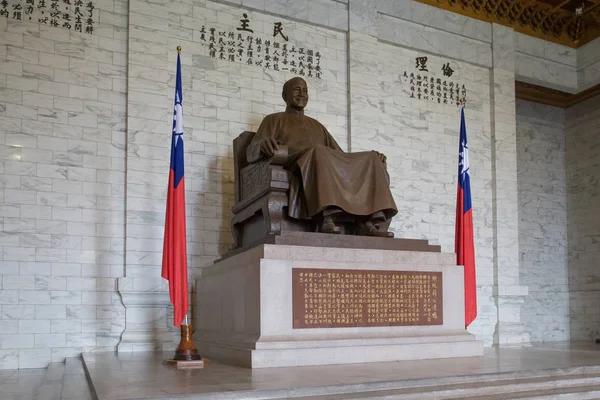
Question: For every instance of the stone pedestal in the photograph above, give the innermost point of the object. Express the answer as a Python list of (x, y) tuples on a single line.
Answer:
[(244, 310)]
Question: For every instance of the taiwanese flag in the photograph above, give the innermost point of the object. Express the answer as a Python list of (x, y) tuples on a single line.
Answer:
[(174, 264), (464, 248)]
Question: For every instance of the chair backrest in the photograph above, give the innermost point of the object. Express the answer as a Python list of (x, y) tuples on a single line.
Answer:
[(240, 144)]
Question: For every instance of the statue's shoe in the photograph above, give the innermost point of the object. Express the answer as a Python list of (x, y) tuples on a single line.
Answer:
[(368, 229), (381, 234), (329, 227)]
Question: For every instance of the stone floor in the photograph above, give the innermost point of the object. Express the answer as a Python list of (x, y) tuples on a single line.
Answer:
[(60, 381), (142, 375), (128, 376)]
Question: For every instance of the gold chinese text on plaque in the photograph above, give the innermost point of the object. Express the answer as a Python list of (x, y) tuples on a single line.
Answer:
[(339, 298)]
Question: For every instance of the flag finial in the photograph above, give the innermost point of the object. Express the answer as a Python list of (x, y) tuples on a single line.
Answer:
[(179, 49)]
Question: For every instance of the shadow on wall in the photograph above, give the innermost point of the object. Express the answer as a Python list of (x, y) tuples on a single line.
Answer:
[(221, 196), (583, 215), (542, 200), (225, 188)]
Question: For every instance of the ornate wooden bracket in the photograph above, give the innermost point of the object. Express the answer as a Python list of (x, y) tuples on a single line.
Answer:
[(544, 19)]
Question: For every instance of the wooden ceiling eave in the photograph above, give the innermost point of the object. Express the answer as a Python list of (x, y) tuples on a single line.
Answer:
[(539, 94), (531, 17)]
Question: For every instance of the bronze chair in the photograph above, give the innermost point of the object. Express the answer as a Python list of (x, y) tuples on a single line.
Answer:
[(261, 196), (261, 199)]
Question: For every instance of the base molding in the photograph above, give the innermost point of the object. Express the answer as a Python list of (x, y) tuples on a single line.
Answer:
[(146, 300), (306, 353)]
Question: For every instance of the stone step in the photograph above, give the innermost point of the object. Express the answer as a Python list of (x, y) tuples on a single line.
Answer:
[(501, 375), (75, 383), (64, 381), (565, 384), (20, 384), (569, 393), (583, 393), (50, 387)]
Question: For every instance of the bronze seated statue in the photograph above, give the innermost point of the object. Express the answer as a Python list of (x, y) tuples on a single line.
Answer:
[(291, 175)]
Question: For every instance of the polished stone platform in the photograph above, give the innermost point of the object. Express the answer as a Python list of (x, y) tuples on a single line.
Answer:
[(561, 370), (245, 309)]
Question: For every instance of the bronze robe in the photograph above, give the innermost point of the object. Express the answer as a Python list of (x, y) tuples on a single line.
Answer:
[(323, 174)]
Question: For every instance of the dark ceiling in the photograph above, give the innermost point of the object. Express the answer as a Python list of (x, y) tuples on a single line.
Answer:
[(569, 5), (555, 20)]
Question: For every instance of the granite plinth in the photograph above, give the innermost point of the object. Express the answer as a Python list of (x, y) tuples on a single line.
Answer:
[(315, 239), (244, 310)]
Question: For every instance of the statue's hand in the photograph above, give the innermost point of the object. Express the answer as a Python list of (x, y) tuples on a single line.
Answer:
[(382, 157), (268, 146)]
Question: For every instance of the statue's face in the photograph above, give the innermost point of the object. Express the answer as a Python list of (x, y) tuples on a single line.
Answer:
[(296, 94)]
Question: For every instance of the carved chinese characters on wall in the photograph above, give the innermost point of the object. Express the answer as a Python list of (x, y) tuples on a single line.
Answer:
[(437, 83), (334, 298), (76, 15), (274, 51)]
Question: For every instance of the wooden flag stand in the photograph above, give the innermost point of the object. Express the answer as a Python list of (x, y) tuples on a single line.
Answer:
[(186, 355)]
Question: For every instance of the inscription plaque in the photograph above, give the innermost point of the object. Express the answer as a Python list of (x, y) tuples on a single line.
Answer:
[(343, 298)]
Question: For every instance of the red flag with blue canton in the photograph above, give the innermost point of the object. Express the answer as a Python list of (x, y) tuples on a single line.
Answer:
[(174, 264), (464, 248)]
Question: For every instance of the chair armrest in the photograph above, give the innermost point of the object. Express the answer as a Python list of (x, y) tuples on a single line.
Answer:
[(280, 156)]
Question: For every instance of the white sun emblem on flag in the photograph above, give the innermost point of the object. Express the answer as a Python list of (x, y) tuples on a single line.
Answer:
[(464, 159), (178, 118)]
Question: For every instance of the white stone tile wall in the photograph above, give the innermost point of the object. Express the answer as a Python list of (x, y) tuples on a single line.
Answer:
[(329, 13), (588, 53), (510, 291), (546, 50), (547, 64), (543, 220), (588, 64), (583, 202), (369, 12), (221, 99), (413, 34), (74, 147), (556, 66), (420, 139), (62, 147), (546, 73)]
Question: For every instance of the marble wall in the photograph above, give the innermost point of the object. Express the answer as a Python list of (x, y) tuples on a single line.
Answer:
[(588, 65), (420, 139), (62, 187), (84, 144), (543, 220), (557, 66), (583, 203), (221, 100), (546, 64)]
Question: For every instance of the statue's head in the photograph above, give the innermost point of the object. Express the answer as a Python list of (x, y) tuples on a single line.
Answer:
[(295, 93)]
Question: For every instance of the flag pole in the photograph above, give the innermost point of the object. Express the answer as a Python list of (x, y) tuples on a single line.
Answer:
[(186, 354), (464, 241)]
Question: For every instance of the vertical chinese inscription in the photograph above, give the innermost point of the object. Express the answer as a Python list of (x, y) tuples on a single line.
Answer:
[(334, 298), (68, 14), (274, 52), (433, 88)]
